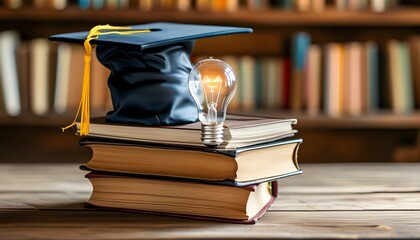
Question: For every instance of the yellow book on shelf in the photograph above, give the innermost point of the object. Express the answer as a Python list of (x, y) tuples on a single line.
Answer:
[(333, 79)]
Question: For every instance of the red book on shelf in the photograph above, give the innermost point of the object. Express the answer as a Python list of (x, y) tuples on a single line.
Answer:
[(286, 83)]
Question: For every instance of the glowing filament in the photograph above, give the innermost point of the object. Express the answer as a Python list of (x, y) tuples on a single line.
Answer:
[(212, 89)]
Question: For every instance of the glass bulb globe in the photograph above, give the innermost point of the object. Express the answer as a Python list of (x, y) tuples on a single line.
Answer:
[(212, 85)]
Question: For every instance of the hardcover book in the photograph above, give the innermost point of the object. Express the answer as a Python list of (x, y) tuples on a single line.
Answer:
[(239, 131), (241, 166), (182, 198)]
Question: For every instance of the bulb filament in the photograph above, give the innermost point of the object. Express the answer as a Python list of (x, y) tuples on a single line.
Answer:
[(212, 92)]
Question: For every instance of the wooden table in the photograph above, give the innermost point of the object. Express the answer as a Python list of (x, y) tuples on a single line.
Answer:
[(346, 201)]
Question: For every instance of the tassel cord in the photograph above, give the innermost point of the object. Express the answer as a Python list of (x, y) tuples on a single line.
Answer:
[(84, 106)]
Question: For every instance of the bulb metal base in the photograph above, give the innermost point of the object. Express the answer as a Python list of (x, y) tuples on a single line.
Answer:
[(212, 134)]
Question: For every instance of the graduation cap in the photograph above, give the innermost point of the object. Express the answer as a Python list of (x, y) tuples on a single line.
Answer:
[(149, 66)]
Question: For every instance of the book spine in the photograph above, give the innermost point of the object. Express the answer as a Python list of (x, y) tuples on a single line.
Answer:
[(300, 45), (9, 41)]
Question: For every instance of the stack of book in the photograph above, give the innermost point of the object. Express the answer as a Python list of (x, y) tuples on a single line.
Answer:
[(167, 170)]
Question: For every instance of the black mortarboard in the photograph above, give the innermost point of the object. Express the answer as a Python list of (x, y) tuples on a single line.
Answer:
[(149, 70)]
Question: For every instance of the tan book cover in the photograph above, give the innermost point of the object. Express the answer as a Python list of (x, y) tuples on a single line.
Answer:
[(353, 79), (40, 84), (333, 79), (313, 80), (238, 131)]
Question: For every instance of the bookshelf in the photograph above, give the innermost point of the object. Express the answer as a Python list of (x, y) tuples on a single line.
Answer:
[(379, 136), (262, 18)]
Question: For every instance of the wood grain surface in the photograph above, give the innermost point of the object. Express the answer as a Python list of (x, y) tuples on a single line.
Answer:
[(336, 201)]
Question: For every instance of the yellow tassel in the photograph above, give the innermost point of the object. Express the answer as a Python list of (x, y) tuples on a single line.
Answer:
[(84, 105)]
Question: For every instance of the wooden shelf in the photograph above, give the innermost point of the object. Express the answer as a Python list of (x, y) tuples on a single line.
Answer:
[(52, 120), (265, 18), (382, 120), (377, 121), (383, 136), (374, 121)]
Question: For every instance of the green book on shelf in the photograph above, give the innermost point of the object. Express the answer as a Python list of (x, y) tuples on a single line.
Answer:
[(401, 85), (407, 79), (372, 69)]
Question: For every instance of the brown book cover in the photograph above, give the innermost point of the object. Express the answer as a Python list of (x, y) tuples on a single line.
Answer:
[(2, 107), (22, 57), (52, 73), (238, 167), (205, 201), (76, 78)]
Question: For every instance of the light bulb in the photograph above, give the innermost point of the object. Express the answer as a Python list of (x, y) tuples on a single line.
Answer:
[(212, 85)]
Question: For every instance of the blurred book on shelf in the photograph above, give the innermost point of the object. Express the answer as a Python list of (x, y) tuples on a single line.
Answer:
[(351, 78), (9, 44), (301, 6)]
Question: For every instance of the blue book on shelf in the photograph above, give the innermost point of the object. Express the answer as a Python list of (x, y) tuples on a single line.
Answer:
[(372, 76), (300, 46), (98, 4), (84, 4)]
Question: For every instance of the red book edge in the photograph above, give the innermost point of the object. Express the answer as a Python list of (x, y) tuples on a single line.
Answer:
[(286, 83)]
